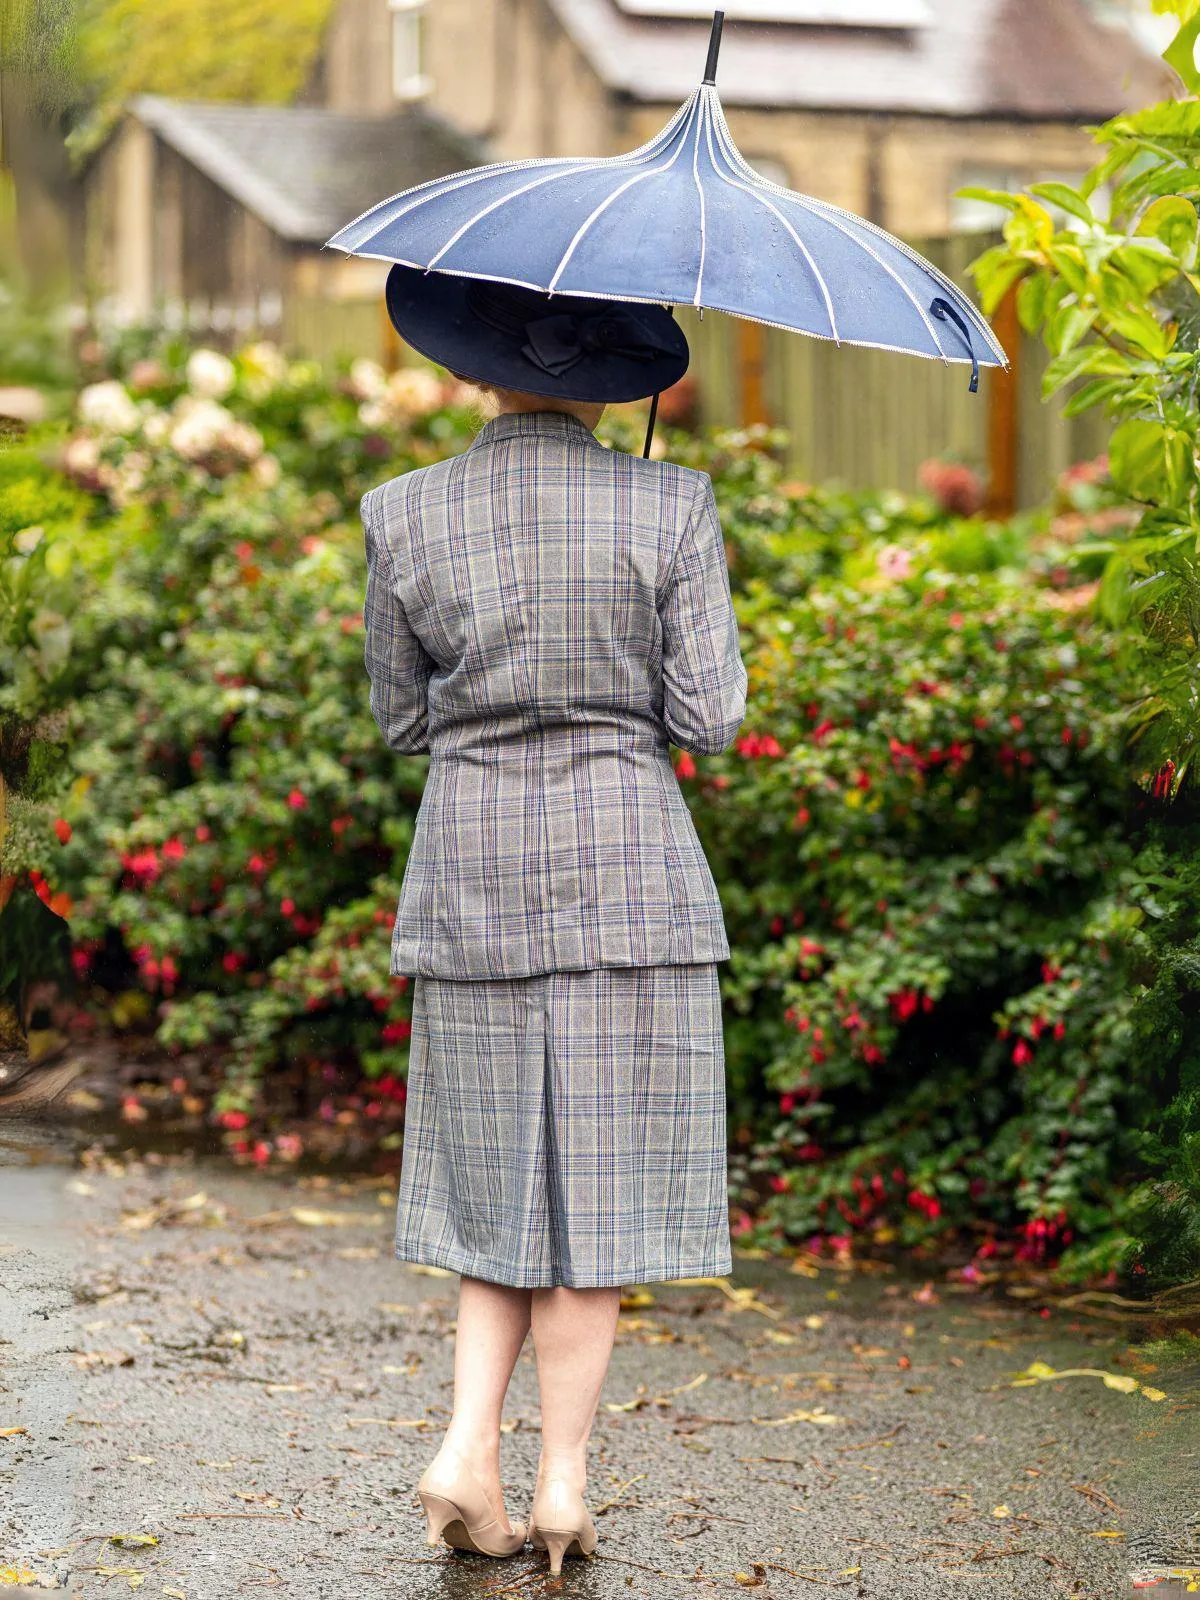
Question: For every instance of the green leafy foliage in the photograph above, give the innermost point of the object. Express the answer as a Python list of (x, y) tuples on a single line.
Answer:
[(1115, 294), (946, 1004)]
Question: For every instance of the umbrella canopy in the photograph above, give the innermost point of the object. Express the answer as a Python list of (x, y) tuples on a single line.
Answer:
[(682, 220)]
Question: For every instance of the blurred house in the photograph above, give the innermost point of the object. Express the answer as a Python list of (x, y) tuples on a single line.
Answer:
[(214, 214), (885, 107)]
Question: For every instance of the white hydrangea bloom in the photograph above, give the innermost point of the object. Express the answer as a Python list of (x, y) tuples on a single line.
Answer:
[(210, 374), (156, 427), (200, 428), (368, 380), (374, 414), (81, 455), (266, 471), (107, 406), (413, 392), (243, 440)]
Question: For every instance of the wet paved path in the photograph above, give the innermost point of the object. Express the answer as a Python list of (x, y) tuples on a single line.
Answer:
[(222, 1383)]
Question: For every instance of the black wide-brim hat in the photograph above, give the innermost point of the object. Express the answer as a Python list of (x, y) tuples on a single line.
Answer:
[(562, 346)]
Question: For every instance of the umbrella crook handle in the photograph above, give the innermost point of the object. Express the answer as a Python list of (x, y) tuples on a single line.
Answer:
[(942, 309)]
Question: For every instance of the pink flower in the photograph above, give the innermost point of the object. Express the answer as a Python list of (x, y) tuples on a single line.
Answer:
[(1022, 1055), (297, 800)]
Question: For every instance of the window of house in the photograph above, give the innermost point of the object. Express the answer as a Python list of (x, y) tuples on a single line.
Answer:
[(981, 216), (409, 78), (770, 168)]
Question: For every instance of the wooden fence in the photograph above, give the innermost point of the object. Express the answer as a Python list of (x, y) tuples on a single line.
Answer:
[(864, 418)]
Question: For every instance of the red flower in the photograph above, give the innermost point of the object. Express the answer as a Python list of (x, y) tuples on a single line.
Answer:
[(787, 1104), (822, 730), (287, 907), (203, 834), (779, 1183), (256, 865), (685, 767), (1022, 1055), (174, 850), (340, 824), (233, 961), (297, 800), (397, 1032), (802, 817), (62, 830), (144, 866), (235, 1121)]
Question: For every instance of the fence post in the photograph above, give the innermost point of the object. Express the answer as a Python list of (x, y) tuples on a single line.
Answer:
[(1004, 412)]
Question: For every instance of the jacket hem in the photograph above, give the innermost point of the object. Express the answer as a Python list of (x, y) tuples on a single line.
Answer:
[(566, 953)]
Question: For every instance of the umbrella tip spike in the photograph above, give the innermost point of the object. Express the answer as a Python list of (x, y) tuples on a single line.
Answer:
[(714, 47)]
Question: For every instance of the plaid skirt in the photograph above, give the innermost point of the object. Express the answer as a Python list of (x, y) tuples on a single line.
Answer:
[(567, 1128)]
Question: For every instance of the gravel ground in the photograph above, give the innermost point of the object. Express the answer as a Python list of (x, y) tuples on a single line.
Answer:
[(215, 1382)]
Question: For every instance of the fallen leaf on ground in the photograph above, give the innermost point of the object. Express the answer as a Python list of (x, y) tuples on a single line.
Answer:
[(743, 1299), (637, 1300), (21, 1575), (753, 1579), (821, 1417), (1002, 1511), (1039, 1372), (11, 1433), (388, 1422), (308, 1217), (641, 1400), (128, 1540), (814, 1324)]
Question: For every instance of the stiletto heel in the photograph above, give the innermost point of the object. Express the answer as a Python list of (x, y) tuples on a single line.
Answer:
[(559, 1523), (439, 1514), (457, 1509)]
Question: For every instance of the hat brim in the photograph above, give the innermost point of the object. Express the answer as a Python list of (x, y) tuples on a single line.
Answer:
[(430, 311)]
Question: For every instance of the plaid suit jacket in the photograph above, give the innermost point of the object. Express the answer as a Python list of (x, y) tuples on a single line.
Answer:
[(543, 615)]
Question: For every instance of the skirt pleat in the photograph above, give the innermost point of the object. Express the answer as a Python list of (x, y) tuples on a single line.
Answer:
[(567, 1128)]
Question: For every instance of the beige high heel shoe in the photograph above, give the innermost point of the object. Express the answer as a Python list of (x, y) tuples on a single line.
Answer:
[(559, 1522), (457, 1509)]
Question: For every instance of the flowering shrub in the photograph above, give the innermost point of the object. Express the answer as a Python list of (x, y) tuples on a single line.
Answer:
[(955, 944)]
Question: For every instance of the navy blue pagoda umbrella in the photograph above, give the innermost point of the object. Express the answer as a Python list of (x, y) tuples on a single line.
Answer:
[(682, 220)]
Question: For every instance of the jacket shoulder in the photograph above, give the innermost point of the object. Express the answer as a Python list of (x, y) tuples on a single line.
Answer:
[(669, 479), (393, 492)]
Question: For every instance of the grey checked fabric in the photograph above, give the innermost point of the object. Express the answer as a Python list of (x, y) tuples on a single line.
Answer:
[(543, 615), (567, 1128)]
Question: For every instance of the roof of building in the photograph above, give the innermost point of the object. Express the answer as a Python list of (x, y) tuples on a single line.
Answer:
[(303, 170), (1026, 59)]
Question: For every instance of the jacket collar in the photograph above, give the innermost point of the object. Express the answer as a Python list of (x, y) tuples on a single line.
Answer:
[(511, 424)]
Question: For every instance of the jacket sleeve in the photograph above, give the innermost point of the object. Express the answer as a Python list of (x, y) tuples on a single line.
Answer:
[(704, 677), (397, 663)]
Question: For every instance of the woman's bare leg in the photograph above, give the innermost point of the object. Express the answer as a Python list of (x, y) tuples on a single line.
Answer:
[(573, 1333), (493, 1320)]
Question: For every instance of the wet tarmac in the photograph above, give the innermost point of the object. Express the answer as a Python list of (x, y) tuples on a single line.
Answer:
[(215, 1382)]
